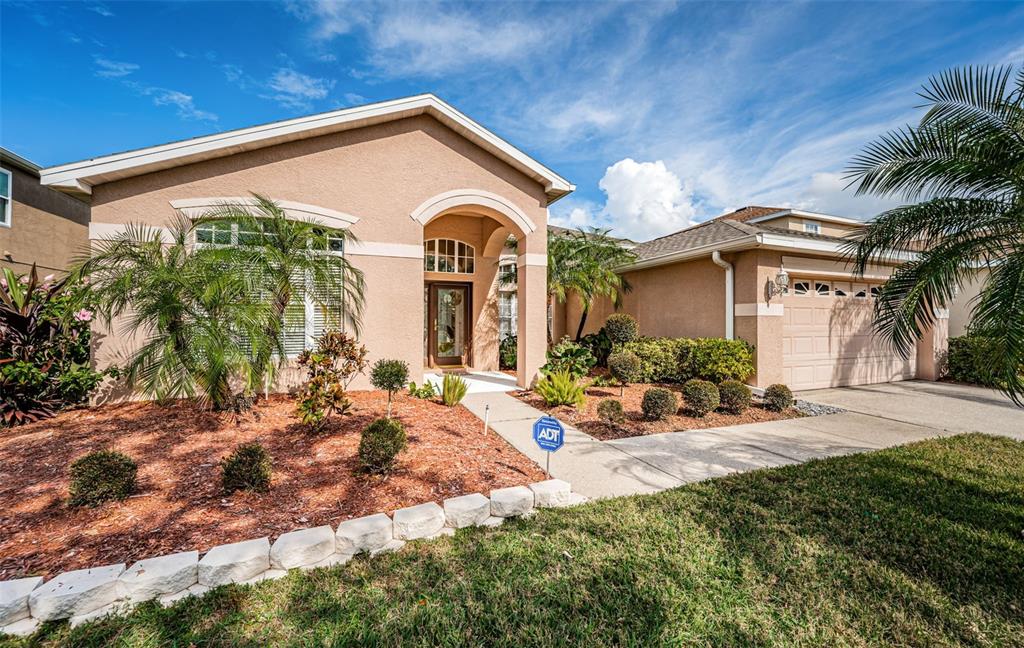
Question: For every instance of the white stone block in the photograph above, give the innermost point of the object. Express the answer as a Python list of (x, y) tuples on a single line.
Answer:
[(270, 574), (155, 577), (510, 502), (75, 593), (445, 532), (330, 561), (118, 607), (22, 628), (14, 598), (468, 510), (234, 563), (390, 547), (493, 522), (194, 590), (551, 493), (418, 521), (364, 534), (303, 547)]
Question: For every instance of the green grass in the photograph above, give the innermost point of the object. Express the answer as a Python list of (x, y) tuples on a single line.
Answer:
[(920, 545)]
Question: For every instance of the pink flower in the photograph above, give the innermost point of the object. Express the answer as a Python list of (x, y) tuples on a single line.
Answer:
[(23, 279), (83, 315)]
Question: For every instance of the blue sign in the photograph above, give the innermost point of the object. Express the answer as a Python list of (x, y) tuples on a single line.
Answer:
[(548, 433)]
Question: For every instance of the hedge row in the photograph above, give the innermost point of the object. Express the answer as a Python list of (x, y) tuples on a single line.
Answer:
[(681, 359), (971, 360)]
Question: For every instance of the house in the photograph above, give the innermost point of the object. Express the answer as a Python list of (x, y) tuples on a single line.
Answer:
[(37, 224), (723, 278), (431, 195)]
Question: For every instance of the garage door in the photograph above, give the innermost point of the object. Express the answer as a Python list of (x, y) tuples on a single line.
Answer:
[(827, 338)]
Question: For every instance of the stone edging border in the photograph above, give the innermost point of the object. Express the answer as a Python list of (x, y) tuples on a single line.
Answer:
[(86, 594)]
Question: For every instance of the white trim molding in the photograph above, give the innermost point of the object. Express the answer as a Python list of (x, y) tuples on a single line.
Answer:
[(828, 218), (432, 207), (532, 260), (196, 207), (78, 177), (377, 248), (759, 310), (830, 268)]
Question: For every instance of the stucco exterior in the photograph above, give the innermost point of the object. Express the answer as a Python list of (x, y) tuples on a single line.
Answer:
[(382, 175)]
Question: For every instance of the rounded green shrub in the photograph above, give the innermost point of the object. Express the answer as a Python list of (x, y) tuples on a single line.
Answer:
[(777, 397), (247, 468), (621, 328), (701, 397), (659, 403), (389, 375), (734, 396), (610, 410), (101, 476), (624, 366), (380, 444)]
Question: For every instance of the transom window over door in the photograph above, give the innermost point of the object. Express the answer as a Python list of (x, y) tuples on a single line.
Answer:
[(448, 255)]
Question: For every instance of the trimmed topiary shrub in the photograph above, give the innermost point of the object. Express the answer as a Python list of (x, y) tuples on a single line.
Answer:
[(610, 410), (777, 398), (701, 397), (735, 397), (101, 476), (389, 375), (247, 468), (659, 403), (380, 444), (621, 328), (624, 366), (560, 389), (660, 358), (717, 359)]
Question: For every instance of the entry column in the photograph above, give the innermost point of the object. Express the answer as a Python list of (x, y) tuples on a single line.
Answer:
[(532, 340)]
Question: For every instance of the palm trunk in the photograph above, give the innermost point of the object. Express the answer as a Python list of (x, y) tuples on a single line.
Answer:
[(583, 323)]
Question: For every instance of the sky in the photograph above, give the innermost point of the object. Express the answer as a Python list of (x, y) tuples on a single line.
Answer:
[(662, 114)]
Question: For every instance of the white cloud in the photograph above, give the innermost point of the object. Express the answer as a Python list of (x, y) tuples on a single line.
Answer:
[(184, 103), (113, 69), (645, 199), (296, 90), (101, 10)]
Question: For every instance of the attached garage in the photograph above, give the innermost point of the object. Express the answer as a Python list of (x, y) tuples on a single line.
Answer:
[(828, 340)]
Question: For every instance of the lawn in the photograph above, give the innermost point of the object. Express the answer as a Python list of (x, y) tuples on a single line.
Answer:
[(920, 545)]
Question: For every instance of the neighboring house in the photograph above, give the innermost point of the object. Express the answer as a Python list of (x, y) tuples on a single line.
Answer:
[(37, 224), (716, 279), (431, 195)]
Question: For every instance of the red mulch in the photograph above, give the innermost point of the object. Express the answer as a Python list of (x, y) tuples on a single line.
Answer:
[(587, 420), (179, 504)]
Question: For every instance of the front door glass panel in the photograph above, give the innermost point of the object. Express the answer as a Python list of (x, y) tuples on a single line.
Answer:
[(451, 323)]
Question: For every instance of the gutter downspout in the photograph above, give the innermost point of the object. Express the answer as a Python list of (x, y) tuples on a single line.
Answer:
[(730, 297)]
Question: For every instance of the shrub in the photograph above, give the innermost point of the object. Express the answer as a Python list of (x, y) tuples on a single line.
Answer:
[(380, 444), (570, 357), (560, 388), (337, 359), (970, 360), (101, 476), (621, 328), (660, 358), (426, 390), (659, 403), (777, 398), (718, 359), (389, 375), (453, 390), (247, 468), (610, 410), (735, 396), (701, 397), (508, 352), (624, 366), (599, 345)]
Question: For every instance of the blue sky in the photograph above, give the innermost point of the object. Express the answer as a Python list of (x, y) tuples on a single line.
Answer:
[(662, 114)]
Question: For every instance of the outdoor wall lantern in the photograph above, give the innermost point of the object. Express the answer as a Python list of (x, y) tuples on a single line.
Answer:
[(781, 283)]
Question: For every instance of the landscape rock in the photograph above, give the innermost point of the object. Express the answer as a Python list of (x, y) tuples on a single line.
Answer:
[(329, 561), (76, 592), (303, 547), (418, 521), (117, 607), (22, 628), (364, 534), (551, 493), (155, 577), (510, 502), (468, 510), (270, 574), (390, 547), (234, 563), (14, 598), (493, 522)]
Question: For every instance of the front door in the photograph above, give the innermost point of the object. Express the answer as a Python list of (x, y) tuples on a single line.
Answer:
[(448, 319)]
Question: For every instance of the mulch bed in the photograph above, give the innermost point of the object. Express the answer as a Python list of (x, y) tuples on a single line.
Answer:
[(179, 504), (587, 420)]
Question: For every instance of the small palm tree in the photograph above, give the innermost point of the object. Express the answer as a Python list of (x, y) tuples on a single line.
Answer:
[(288, 258), (194, 314), (964, 162)]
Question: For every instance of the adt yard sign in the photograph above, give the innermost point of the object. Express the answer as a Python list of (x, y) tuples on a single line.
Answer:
[(550, 436)]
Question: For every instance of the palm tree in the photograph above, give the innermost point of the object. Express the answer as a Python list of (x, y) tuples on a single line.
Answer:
[(962, 168), (288, 258), (195, 315)]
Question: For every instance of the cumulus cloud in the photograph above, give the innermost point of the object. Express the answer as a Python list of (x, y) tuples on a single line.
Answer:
[(293, 89), (113, 69), (645, 199)]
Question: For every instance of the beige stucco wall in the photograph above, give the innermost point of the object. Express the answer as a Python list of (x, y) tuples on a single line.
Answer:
[(379, 174), (960, 309), (48, 228), (796, 223)]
